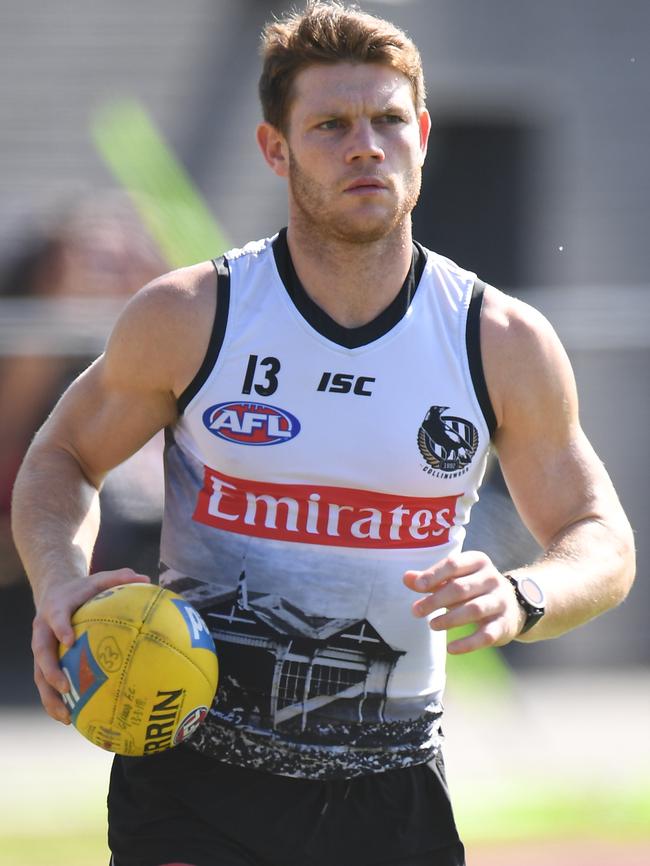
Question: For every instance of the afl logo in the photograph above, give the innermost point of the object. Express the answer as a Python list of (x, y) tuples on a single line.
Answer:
[(189, 724), (251, 423), (446, 442)]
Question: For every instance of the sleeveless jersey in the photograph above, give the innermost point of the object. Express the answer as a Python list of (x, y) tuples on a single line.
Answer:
[(312, 465)]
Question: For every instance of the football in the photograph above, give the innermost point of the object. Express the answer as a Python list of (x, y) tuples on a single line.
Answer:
[(142, 672)]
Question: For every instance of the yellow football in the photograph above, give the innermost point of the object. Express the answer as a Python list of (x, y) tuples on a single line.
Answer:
[(142, 672)]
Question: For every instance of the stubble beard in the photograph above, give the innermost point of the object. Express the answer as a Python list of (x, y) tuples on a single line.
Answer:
[(318, 217)]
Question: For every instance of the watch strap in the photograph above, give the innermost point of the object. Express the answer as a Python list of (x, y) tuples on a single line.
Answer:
[(533, 612)]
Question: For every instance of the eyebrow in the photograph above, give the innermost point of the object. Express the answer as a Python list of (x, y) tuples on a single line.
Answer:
[(341, 111)]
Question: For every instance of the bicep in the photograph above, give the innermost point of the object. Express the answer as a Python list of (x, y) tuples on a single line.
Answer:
[(130, 392), (103, 419), (554, 482), (554, 476)]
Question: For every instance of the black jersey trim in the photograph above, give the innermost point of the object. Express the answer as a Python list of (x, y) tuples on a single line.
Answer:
[(473, 344), (349, 338), (216, 337)]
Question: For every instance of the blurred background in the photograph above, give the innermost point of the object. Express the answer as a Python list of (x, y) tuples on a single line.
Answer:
[(127, 147)]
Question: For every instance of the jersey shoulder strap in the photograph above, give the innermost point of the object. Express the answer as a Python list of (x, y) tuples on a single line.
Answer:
[(473, 344), (216, 337)]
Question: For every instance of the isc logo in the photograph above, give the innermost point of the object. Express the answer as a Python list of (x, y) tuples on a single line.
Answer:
[(343, 383), (251, 423)]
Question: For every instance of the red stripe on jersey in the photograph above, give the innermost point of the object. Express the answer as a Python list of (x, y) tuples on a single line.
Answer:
[(316, 514)]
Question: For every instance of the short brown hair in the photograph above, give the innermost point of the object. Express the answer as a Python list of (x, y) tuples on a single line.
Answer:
[(328, 32)]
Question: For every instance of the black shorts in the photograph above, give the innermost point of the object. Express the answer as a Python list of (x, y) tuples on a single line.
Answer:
[(180, 807)]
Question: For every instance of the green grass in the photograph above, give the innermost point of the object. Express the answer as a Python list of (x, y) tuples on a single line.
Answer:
[(475, 671), (81, 849), (521, 813), (164, 195), (70, 831), (507, 816)]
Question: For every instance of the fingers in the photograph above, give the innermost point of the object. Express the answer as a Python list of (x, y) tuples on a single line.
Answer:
[(106, 579), (51, 698), (60, 601), (462, 564), (464, 600), (45, 647), (488, 634), (52, 626), (462, 590), (83, 590)]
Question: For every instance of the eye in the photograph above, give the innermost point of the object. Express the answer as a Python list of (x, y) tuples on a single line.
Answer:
[(332, 123), (390, 119)]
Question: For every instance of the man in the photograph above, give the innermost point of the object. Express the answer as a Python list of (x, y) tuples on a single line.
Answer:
[(329, 408)]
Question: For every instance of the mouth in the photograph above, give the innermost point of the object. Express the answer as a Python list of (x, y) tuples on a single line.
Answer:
[(365, 184)]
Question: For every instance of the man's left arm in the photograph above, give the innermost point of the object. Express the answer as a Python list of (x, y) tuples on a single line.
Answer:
[(558, 485)]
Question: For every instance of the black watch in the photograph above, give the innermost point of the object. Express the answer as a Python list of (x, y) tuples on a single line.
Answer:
[(530, 597)]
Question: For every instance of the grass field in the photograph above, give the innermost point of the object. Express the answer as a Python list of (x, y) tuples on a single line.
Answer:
[(582, 797), (509, 829)]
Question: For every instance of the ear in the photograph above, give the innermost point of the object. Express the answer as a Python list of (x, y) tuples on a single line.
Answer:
[(274, 148), (424, 122)]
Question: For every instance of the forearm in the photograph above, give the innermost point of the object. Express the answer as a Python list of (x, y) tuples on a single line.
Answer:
[(55, 517), (587, 570)]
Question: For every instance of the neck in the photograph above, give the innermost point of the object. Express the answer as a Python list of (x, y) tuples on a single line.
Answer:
[(352, 282)]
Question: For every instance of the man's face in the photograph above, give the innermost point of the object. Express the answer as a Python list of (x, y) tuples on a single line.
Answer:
[(355, 150)]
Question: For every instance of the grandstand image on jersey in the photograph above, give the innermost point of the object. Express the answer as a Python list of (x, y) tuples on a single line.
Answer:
[(284, 668), (322, 670)]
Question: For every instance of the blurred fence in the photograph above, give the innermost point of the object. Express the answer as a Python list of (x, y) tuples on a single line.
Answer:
[(66, 327), (589, 318), (607, 334)]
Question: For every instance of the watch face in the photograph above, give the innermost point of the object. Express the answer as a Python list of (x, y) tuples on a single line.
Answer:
[(531, 591)]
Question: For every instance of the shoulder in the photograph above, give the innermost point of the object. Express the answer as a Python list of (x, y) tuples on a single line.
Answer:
[(449, 277), (251, 252), (507, 317), (526, 367), (164, 329), (173, 299)]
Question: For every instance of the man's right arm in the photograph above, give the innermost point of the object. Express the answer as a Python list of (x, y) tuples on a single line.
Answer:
[(106, 415)]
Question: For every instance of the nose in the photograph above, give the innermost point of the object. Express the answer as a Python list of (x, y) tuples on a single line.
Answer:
[(364, 143)]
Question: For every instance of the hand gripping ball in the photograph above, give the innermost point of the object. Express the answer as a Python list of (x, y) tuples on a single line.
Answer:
[(142, 672)]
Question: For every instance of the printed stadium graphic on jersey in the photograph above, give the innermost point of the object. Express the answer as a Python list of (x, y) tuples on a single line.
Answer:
[(447, 442), (251, 423), (311, 679)]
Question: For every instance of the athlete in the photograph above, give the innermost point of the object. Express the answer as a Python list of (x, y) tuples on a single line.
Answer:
[(329, 396)]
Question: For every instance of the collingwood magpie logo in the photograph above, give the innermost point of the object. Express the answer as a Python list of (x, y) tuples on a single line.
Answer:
[(447, 442)]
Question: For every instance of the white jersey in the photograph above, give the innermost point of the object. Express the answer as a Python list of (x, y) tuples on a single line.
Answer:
[(310, 467)]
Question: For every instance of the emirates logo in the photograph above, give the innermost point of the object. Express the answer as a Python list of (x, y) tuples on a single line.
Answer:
[(316, 514)]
